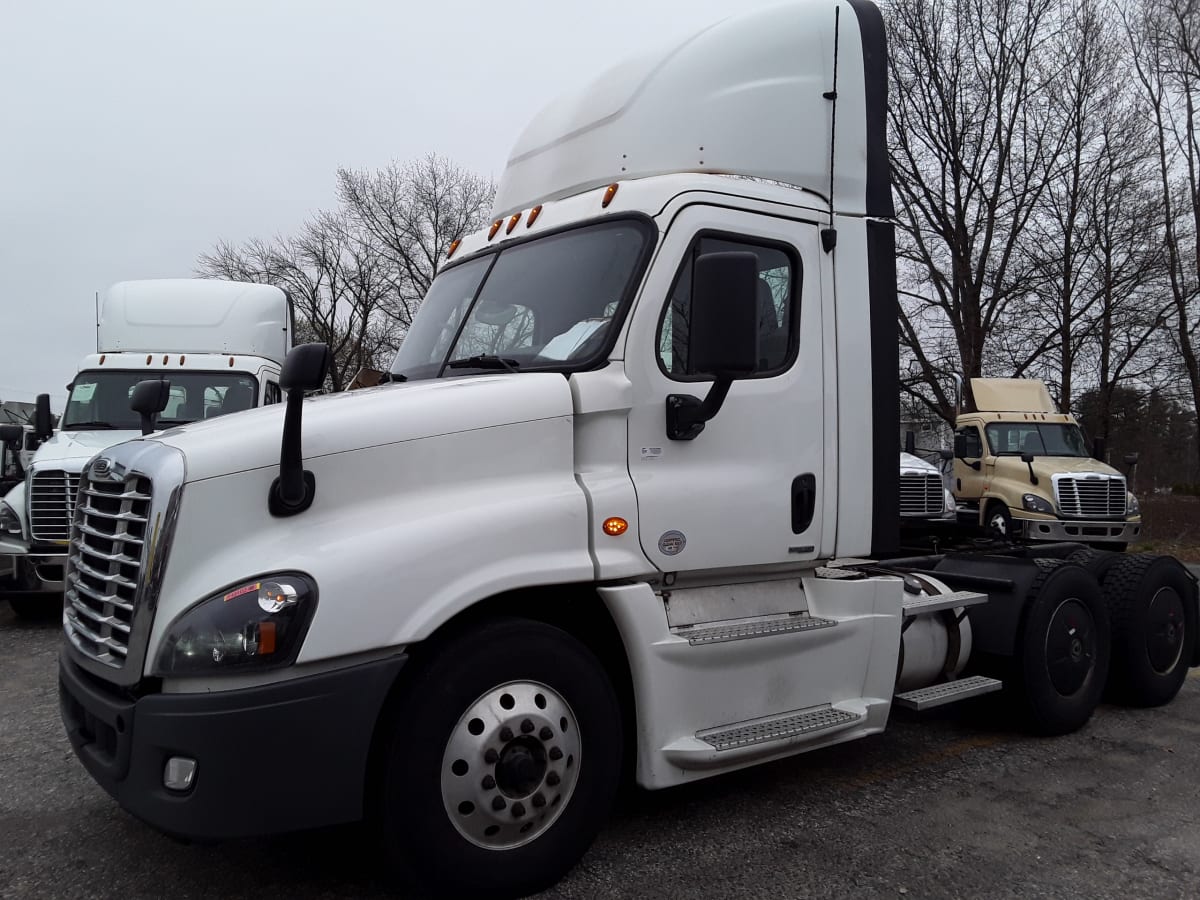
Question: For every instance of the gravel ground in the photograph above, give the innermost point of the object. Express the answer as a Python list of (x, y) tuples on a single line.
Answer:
[(952, 804)]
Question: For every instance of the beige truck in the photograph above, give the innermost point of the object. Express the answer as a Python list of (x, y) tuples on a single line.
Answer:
[(1022, 470)]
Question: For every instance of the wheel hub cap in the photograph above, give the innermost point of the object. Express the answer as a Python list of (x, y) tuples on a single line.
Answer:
[(510, 765), (1164, 630), (1070, 649)]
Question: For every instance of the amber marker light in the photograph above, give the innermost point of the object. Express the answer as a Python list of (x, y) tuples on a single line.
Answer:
[(615, 526), (495, 227), (512, 223), (533, 214), (102, 359), (453, 246), (609, 193)]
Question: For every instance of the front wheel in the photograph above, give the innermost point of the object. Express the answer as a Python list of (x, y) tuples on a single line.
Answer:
[(503, 761), (999, 522)]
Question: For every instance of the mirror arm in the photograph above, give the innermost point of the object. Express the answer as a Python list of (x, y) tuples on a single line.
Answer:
[(686, 414), (148, 423), (293, 490)]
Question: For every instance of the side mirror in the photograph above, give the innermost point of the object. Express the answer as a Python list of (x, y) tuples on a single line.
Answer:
[(910, 443), (148, 399), (9, 433), (43, 425), (304, 370), (946, 454), (723, 340), (1131, 459), (1027, 458), (1098, 449)]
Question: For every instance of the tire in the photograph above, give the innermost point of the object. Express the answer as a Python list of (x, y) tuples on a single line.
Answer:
[(484, 792), (1098, 562), (42, 608), (999, 522), (1063, 648), (1152, 604)]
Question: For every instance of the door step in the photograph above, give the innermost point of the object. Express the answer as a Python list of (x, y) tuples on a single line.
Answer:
[(776, 728), (947, 692), (740, 631), (919, 605)]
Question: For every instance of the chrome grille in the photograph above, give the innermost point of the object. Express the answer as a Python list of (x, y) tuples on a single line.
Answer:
[(921, 495), (105, 566), (1090, 496), (52, 505)]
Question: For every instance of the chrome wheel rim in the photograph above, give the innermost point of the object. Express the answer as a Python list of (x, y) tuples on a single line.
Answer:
[(511, 765)]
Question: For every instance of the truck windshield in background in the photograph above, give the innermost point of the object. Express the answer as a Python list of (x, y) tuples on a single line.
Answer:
[(100, 400), (554, 303), (1038, 438)]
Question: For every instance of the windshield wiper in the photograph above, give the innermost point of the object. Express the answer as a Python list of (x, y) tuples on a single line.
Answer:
[(77, 426), (484, 361)]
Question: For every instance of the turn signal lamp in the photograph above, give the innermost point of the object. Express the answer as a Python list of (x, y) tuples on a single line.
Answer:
[(533, 214), (609, 193), (512, 223), (615, 526), (495, 227), (453, 246)]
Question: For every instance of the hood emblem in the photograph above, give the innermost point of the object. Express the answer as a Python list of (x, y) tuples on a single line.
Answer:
[(100, 467)]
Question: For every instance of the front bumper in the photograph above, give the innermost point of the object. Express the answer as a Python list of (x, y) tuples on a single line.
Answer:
[(1076, 530), (34, 573), (270, 759)]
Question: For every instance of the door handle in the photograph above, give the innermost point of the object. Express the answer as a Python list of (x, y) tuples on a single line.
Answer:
[(804, 502)]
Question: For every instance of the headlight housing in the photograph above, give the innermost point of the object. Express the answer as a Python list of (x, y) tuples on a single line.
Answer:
[(1131, 506), (1034, 503), (950, 505), (10, 524), (257, 624)]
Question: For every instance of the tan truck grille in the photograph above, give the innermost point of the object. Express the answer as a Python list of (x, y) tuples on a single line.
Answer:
[(52, 505), (921, 495), (1090, 496), (104, 566)]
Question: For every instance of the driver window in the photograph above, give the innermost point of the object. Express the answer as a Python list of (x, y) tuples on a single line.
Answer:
[(969, 443), (778, 308)]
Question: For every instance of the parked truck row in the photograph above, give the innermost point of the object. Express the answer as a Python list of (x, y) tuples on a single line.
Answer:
[(629, 501)]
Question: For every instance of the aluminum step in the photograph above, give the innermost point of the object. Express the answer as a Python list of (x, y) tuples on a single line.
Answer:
[(947, 692), (776, 728), (915, 606), (740, 631)]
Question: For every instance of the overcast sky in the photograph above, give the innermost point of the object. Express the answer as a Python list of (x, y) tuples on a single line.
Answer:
[(135, 133)]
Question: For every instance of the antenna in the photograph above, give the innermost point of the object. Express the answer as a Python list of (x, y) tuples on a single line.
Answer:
[(829, 235), (97, 321)]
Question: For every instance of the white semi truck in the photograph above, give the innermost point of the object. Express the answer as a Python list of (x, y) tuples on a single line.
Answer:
[(627, 503), (219, 344)]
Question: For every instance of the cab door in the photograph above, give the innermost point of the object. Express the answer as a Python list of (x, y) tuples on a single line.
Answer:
[(970, 478), (749, 490)]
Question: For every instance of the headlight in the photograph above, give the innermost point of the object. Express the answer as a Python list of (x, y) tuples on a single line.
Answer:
[(1034, 503), (1131, 506), (256, 624), (950, 505), (9, 523)]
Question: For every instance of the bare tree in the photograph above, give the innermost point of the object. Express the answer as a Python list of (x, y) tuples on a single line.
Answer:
[(412, 212), (971, 144), (338, 283), (1165, 38)]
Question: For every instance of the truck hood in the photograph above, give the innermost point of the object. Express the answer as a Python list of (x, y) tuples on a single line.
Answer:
[(914, 465), (1046, 466), (372, 417), (70, 450)]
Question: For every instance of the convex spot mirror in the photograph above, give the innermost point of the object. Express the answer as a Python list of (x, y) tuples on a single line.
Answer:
[(43, 425), (11, 433), (493, 313), (148, 399), (305, 368)]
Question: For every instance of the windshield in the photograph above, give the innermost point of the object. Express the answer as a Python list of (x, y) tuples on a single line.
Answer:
[(1038, 438), (552, 303), (101, 399)]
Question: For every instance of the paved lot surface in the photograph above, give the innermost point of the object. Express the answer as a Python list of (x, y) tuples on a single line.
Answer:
[(952, 805)]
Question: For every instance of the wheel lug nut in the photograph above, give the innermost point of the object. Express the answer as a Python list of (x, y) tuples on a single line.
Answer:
[(555, 753), (518, 810), (539, 801), (498, 803), (526, 726), (545, 734), (488, 782), (506, 734), (552, 779), (491, 756)]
